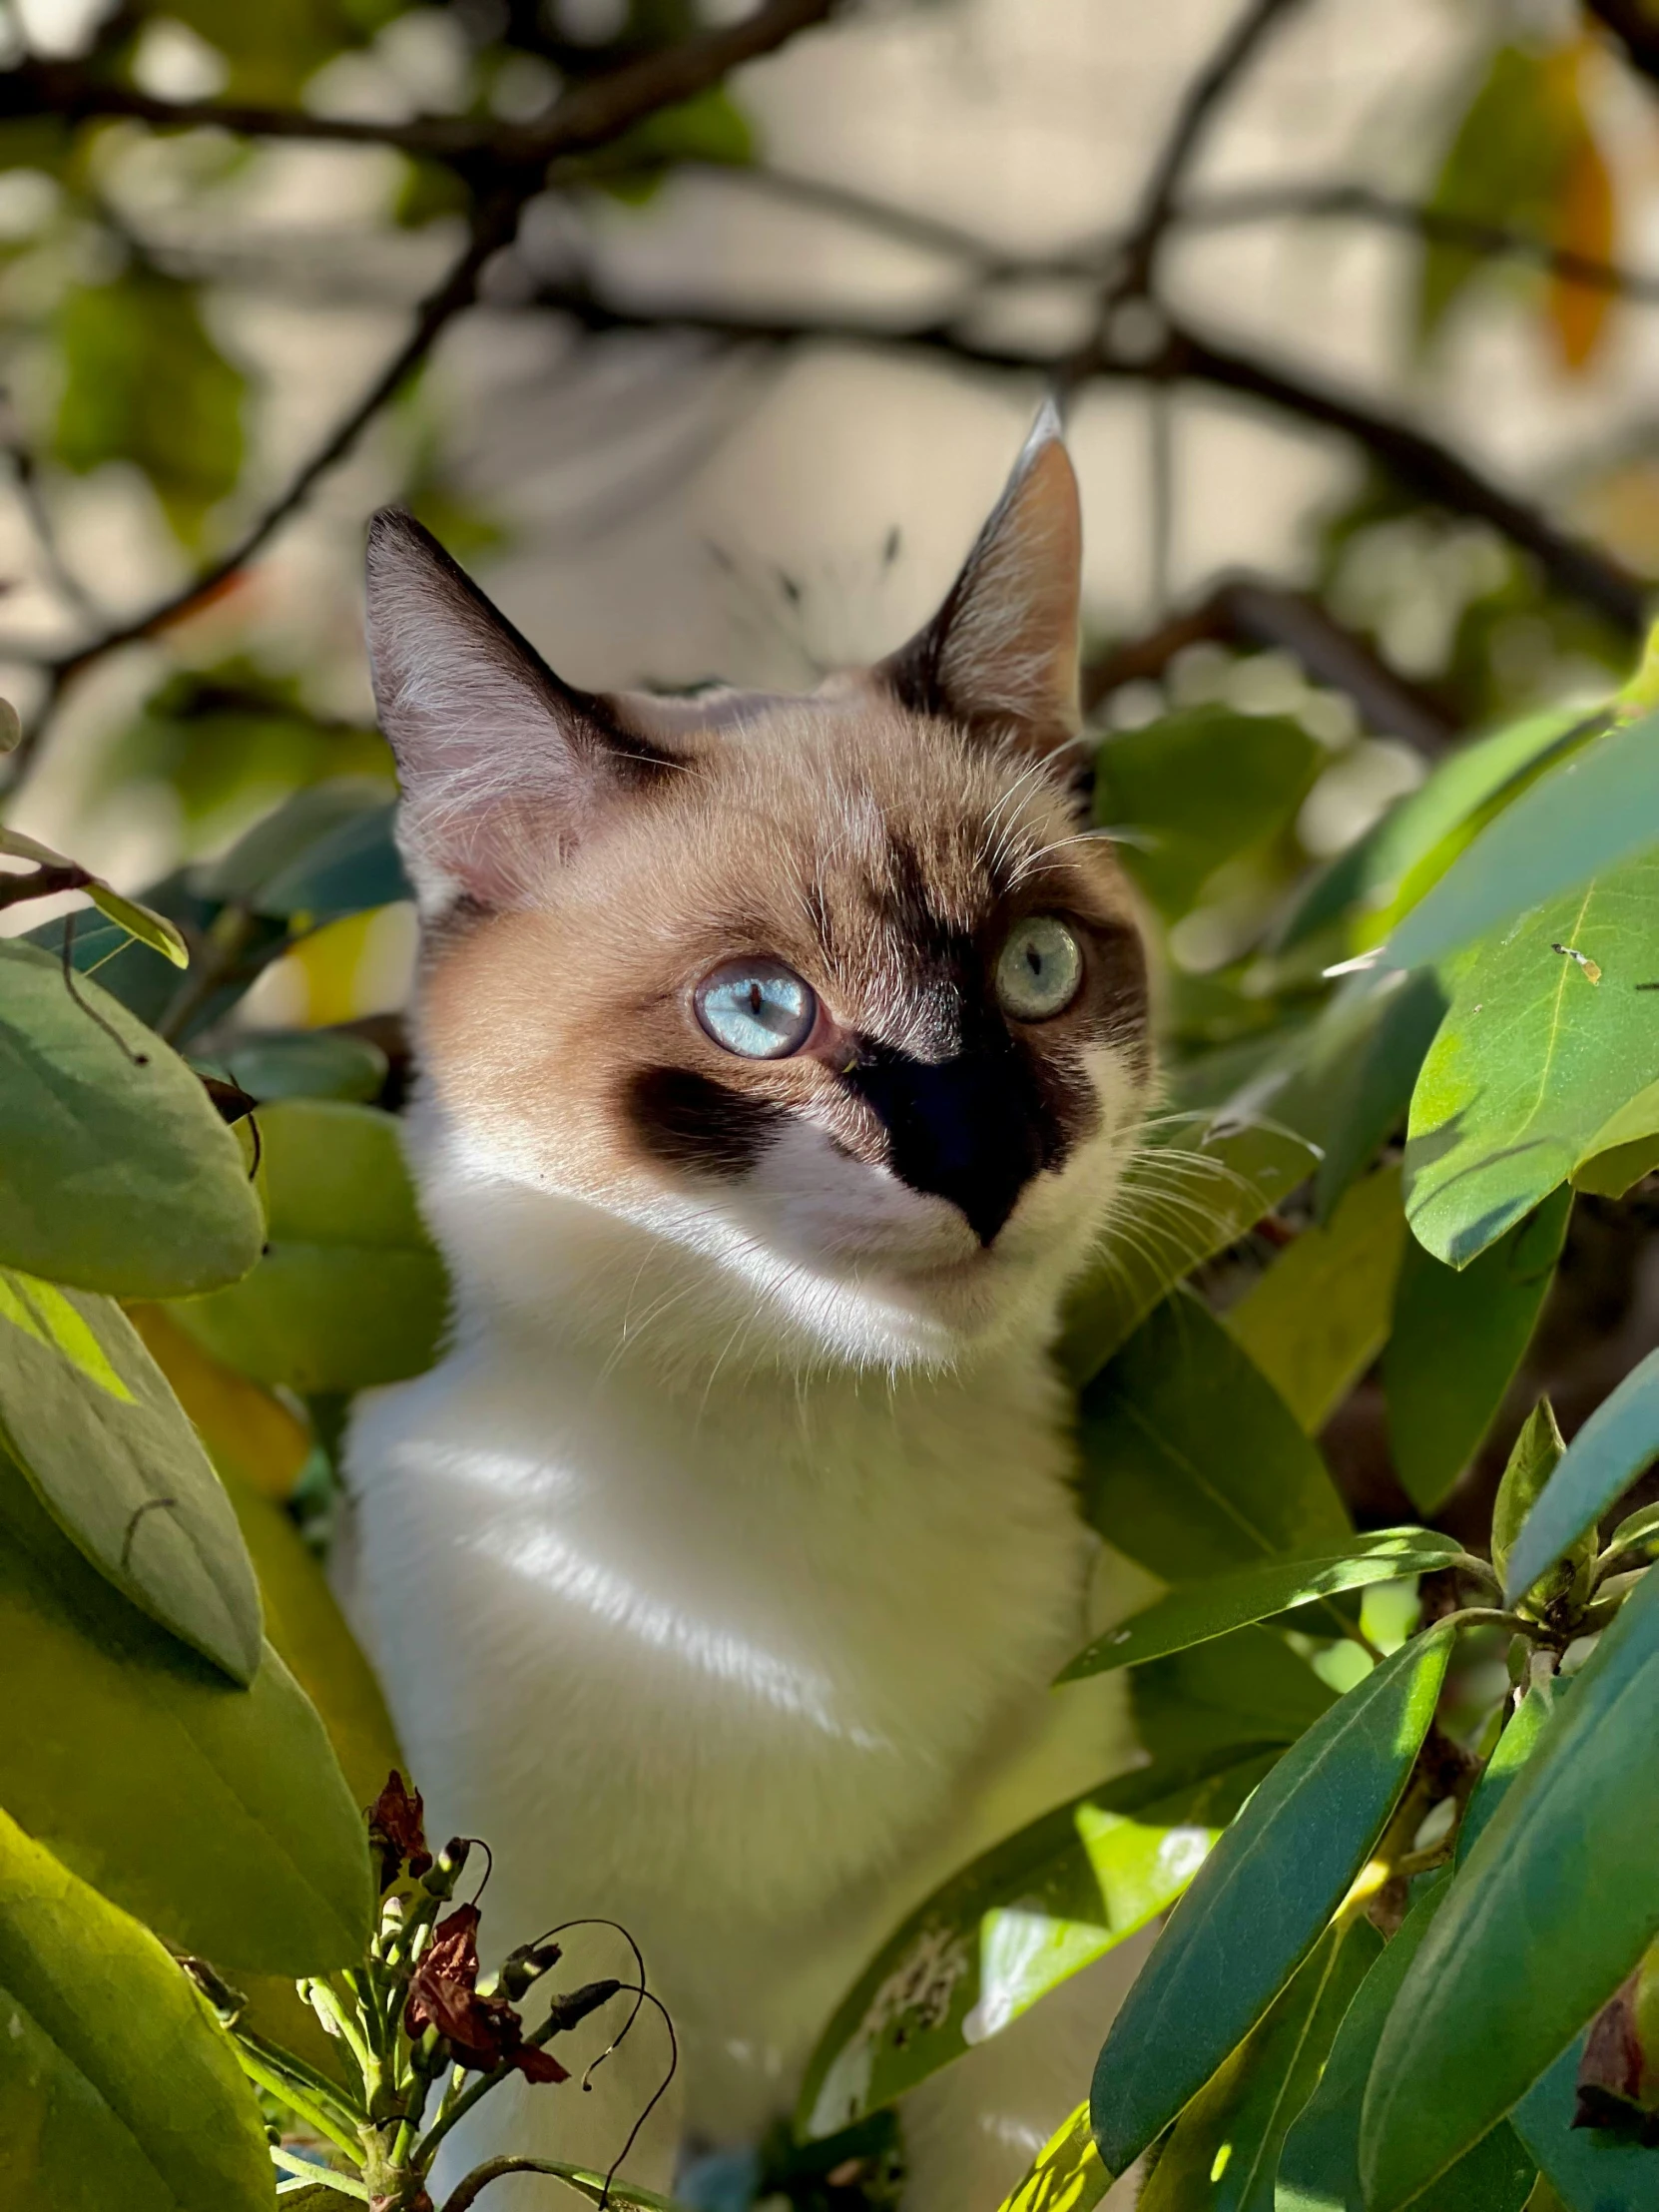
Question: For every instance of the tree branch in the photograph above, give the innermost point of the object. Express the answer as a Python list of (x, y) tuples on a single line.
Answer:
[(1634, 28)]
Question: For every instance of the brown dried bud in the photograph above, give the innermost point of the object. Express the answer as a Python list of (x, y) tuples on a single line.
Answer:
[(395, 1832)]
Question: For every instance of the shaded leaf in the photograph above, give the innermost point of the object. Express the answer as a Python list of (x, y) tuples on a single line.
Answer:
[(1589, 816), (89, 1417), (1621, 1440), (1459, 1337), (1026, 1915), (1590, 2169), (1195, 1612), (1249, 1687), (1185, 1197), (1066, 2175), (250, 1436), (94, 2112), (144, 382), (1541, 1922), (1224, 2151), (280, 851), (1373, 1094), (307, 1063), (1532, 1060), (1623, 1149), (113, 1176), (1192, 1463), (1539, 1452), (251, 1851), (350, 1291), (1320, 2168), (1261, 1901), (1320, 1316)]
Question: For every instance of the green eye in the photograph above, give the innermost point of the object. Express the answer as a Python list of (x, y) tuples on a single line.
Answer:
[(758, 1008), (1038, 969)]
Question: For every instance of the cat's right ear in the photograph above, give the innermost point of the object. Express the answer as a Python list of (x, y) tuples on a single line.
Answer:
[(503, 765)]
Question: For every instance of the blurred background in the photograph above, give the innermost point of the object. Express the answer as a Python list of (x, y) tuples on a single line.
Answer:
[(1364, 408)]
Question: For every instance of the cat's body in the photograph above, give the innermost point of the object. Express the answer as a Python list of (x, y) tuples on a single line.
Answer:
[(718, 1573)]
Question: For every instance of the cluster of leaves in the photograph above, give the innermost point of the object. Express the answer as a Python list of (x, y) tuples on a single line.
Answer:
[(1408, 1841)]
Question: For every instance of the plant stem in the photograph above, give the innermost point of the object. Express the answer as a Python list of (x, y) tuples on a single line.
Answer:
[(329, 2118), (309, 2170)]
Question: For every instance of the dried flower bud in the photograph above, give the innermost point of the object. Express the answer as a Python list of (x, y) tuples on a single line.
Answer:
[(395, 1832)]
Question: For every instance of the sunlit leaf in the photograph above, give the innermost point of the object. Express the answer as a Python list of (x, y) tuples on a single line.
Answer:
[(1223, 2154), (117, 2085), (1066, 2175), (1262, 1899), (1192, 1463), (1534, 1055), (116, 1174), (217, 1814), (350, 1291), (1457, 1340), (89, 1417), (1619, 1439), (1321, 1314), (1541, 1922), (1031, 1912)]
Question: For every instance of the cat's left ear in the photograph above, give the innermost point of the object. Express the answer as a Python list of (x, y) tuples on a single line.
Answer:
[(1002, 649)]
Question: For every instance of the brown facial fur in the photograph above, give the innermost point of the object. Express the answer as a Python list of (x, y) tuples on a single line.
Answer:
[(883, 856)]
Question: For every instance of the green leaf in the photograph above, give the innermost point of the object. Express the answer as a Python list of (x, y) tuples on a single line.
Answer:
[(306, 1063), (1224, 2152), (1532, 1060), (351, 1292), (117, 2086), (1591, 816), (1245, 1688), (1539, 1452), (997, 1937), (1066, 2175), (144, 382), (89, 1417), (1187, 1196), (1192, 1461), (116, 1174), (1623, 1149), (1320, 2168), (1372, 1093), (141, 922), (1621, 1440), (215, 1815), (1589, 2168), (1320, 1316), (1195, 1612), (1457, 1340), (354, 867), (1261, 1898), (1195, 787), (1515, 1747), (295, 856), (1553, 1905)]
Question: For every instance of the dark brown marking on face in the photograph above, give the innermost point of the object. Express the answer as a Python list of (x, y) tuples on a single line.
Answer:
[(687, 1121)]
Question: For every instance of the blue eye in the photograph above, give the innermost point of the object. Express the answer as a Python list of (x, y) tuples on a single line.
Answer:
[(759, 1008), (1038, 969)]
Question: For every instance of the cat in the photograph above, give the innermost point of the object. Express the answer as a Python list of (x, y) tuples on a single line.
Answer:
[(781, 1060)]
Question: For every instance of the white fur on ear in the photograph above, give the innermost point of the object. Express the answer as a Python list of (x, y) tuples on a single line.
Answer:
[(1003, 647), (500, 762)]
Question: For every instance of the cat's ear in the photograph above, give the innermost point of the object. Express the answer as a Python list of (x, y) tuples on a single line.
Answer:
[(1002, 649), (501, 763)]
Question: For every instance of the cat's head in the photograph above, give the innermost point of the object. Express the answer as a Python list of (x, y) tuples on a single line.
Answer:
[(807, 1027)]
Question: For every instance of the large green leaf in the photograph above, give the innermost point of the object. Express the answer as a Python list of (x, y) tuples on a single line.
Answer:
[(116, 1174), (1189, 1194), (350, 1291), (306, 1063), (118, 2088), (1245, 1688), (1590, 2168), (1066, 2175), (325, 851), (1192, 1463), (1532, 1060), (1619, 1439), (1623, 1149), (89, 1417), (1195, 788), (1371, 1093), (1000, 1935), (1553, 1905), (1320, 2168), (218, 1815), (1520, 1739), (1261, 1901), (1592, 815), (1320, 1316), (1196, 1612), (1459, 1337), (1223, 2154), (145, 383)]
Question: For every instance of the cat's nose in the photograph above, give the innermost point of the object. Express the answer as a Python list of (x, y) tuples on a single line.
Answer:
[(969, 1130)]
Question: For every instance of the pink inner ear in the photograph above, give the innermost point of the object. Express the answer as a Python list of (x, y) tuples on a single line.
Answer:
[(1011, 644)]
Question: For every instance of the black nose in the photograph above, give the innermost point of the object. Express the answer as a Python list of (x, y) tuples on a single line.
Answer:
[(972, 1130)]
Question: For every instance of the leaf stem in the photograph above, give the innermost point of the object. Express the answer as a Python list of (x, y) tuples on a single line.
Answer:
[(329, 2117), (324, 2176)]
